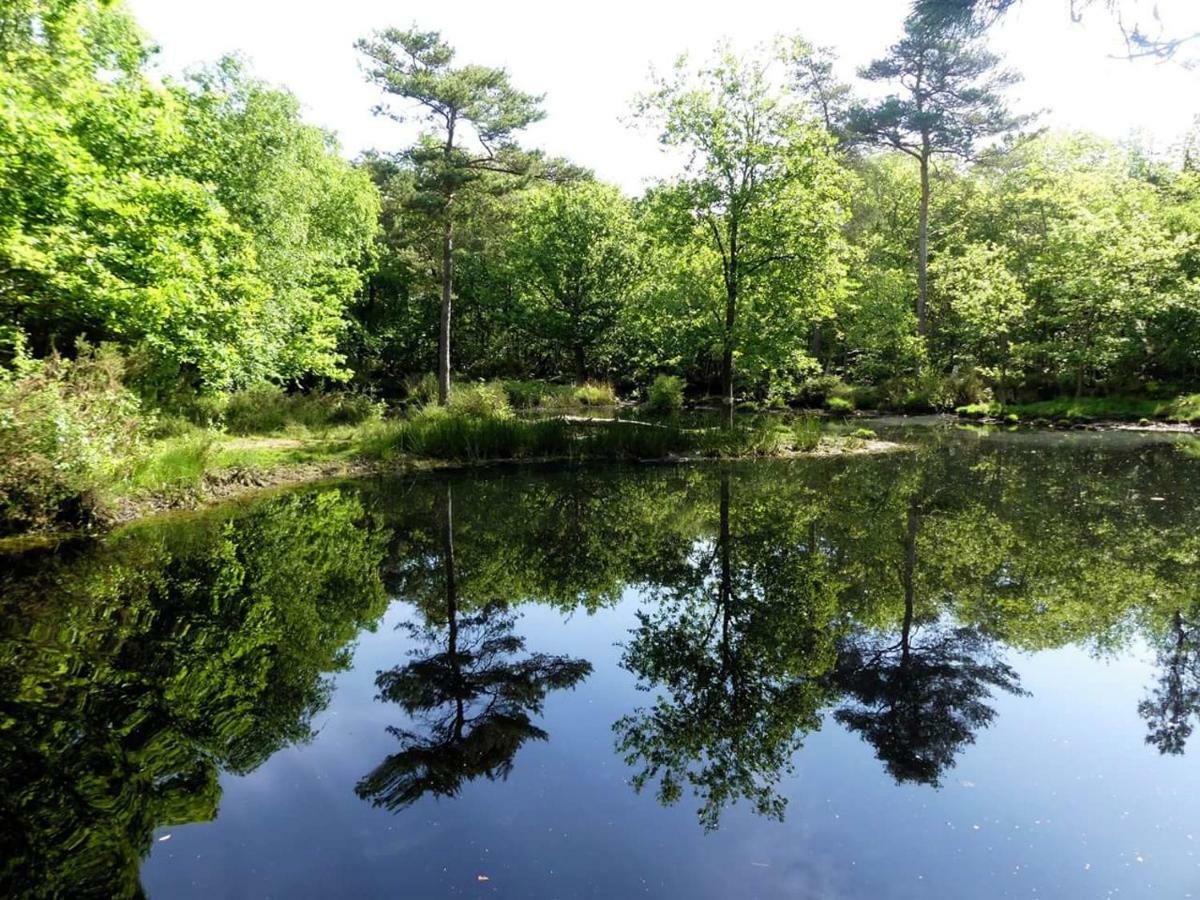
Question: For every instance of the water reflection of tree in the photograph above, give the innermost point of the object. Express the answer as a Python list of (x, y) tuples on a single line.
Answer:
[(736, 645), (471, 693), (133, 675), (783, 616), (1174, 703), (918, 694)]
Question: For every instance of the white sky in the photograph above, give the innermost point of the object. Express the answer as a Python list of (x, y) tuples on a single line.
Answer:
[(590, 58)]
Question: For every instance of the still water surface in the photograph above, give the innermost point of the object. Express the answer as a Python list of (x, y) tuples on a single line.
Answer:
[(967, 669)]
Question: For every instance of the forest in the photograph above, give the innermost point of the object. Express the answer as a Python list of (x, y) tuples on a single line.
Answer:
[(185, 262)]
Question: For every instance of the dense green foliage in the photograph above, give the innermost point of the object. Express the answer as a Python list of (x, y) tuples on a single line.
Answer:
[(811, 249), (200, 225), (808, 237)]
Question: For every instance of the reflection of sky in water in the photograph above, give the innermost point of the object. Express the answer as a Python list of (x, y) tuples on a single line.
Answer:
[(1060, 797)]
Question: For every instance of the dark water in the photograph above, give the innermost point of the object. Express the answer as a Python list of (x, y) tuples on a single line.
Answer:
[(968, 669)]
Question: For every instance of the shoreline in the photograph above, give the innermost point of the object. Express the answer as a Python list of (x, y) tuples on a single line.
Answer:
[(227, 486)]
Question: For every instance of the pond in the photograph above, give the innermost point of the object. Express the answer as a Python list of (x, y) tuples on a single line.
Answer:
[(967, 668)]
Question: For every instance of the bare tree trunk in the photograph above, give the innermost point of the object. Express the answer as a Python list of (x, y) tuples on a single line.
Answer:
[(447, 299), (923, 249), (731, 298), (447, 271)]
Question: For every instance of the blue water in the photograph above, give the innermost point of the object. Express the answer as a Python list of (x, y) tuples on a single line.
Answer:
[(1052, 790)]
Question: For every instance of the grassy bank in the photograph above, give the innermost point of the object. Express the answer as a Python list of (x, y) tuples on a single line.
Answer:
[(72, 463), (202, 468), (1183, 408)]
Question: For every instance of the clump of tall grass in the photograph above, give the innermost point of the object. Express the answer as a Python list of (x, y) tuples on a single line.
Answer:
[(452, 434), (173, 466), (421, 389), (839, 406), (480, 400), (545, 395), (266, 408), (635, 440), (594, 393), (763, 437), (806, 434), (528, 394)]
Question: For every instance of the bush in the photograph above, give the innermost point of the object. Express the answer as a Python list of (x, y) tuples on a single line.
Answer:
[(840, 406), (865, 434), (666, 394), (66, 428), (255, 410), (814, 392)]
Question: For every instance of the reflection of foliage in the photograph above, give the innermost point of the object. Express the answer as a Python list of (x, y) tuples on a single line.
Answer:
[(132, 672), (572, 541), (475, 697), (165, 656), (917, 704), (475, 703), (918, 701), (1175, 702), (736, 645)]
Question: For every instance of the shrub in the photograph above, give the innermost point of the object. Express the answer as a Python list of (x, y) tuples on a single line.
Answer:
[(839, 405), (865, 434), (666, 394), (255, 410), (813, 392), (321, 409), (66, 428)]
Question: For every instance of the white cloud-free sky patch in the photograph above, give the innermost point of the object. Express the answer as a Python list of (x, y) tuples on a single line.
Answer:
[(591, 58)]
